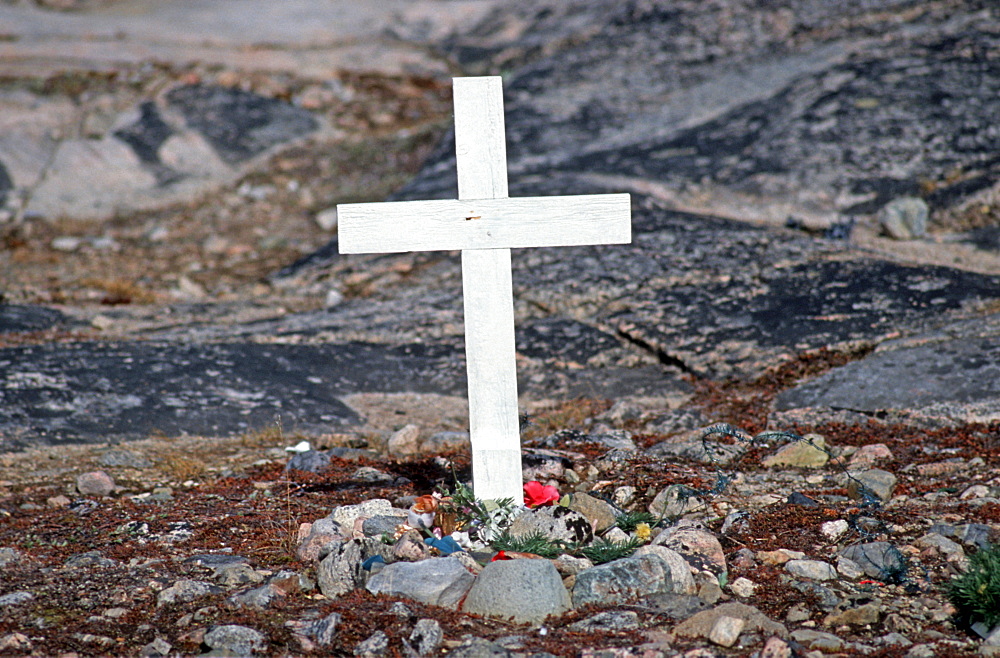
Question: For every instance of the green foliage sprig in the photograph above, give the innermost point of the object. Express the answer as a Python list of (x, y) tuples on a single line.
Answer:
[(976, 593), (602, 550), (629, 520), (536, 543)]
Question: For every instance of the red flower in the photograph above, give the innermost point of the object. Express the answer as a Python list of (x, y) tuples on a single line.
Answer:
[(537, 494), (500, 556)]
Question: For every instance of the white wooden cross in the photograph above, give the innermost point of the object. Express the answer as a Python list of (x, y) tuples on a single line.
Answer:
[(484, 224)]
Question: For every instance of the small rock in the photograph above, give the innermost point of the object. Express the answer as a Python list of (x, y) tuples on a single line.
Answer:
[(186, 590), (569, 565), (599, 513), (621, 580), (158, 648), (849, 568), (743, 587), (810, 453), (477, 647), (680, 570), (375, 646), (726, 630), (616, 535), (9, 556), (124, 459), (623, 495), (426, 637), (437, 581), (811, 569), (340, 570), (868, 455), (779, 557), (904, 218), (400, 609), (675, 501), (802, 500), (698, 546), (371, 475), (797, 613), (345, 515), (404, 442), (946, 467), (325, 629), (894, 639), (444, 442), (15, 598), (525, 591), (943, 545), (310, 461), (609, 620), (754, 621), (96, 483), (333, 298), (978, 535), (975, 491), (555, 523), (834, 530), (327, 219), (686, 447), (877, 482), (410, 547), (870, 613), (818, 640), (675, 606), (89, 560), (58, 501), (880, 560), (66, 243), (775, 647), (825, 597), (382, 524), (239, 640)]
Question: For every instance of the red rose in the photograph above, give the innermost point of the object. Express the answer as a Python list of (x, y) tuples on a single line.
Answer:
[(537, 494)]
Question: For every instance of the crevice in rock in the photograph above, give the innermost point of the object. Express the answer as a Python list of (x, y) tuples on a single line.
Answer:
[(662, 356)]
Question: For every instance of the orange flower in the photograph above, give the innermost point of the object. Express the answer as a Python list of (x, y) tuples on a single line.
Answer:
[(537, 494)]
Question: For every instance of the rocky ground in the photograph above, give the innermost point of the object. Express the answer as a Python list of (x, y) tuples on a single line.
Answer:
[(174, 316)]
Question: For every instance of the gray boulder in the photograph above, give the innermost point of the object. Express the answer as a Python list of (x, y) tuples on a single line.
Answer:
[(525, 591), (555, 523), (438, 581), (623, 580), (238, 640), (341, 571)]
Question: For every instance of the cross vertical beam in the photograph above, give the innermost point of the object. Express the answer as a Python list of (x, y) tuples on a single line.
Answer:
[(485, 224), (488, 298)]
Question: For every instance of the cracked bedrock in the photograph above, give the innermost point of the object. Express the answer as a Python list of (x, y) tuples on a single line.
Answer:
[(816, 112)]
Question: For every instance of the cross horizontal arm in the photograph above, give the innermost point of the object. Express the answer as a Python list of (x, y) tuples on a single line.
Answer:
[(553, 221)]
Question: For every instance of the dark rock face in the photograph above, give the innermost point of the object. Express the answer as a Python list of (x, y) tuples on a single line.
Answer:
[(804, 108), (946, 377), (22, 317), (765, 111), (239, 124), (100, 391)]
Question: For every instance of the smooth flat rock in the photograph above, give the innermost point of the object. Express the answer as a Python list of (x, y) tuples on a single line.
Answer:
[(525, 591), (294, 36), (741, 108), (146, 146), (188, 141), (441, 581), (16, 318), (724, 121), (99, 391), (953, 376)]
